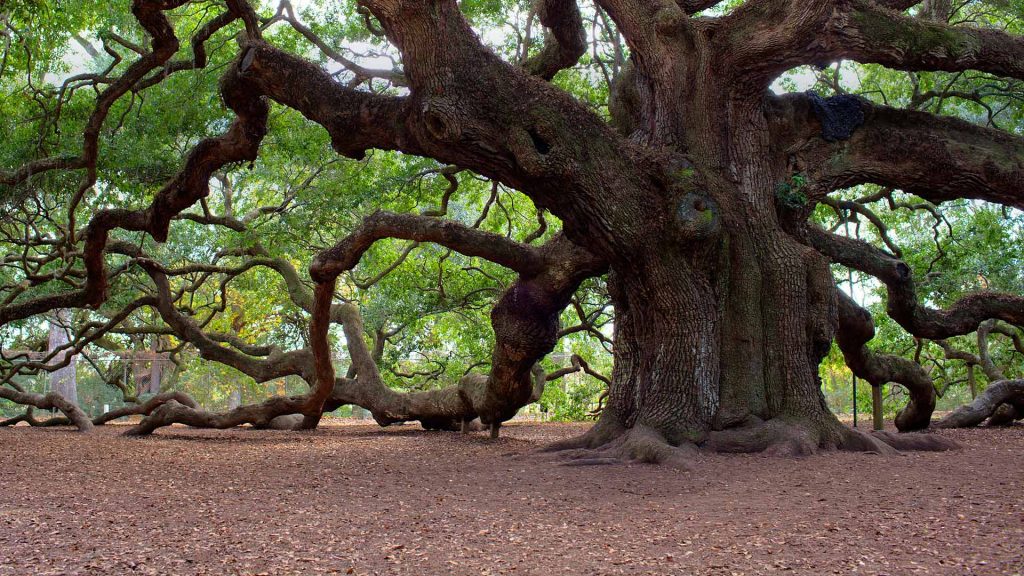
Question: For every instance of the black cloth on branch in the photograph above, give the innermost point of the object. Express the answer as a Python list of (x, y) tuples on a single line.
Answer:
[(839, 115)]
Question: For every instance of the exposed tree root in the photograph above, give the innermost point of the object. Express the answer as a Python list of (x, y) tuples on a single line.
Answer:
[(917, 442), (639, 444), (774, 437), (853, 440), (778, 437), (988, 404), (609, 444)]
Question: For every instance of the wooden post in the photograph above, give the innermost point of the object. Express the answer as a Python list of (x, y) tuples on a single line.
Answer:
[(876, 406)]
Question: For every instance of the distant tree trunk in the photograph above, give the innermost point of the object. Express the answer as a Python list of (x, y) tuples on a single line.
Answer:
[(235, 400), (140, 371), (156, 367), (62, 380)]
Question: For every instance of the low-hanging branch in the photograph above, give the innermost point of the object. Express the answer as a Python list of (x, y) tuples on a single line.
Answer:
[(521, 258), (856, 329), (525, 319), (1003, 392), (447, 408), (132, 409)]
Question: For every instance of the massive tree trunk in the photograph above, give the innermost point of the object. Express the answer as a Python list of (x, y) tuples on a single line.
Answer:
[(722, 316), (720, 346)]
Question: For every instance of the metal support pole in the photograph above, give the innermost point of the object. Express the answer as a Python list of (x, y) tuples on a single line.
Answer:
[(854, 401)]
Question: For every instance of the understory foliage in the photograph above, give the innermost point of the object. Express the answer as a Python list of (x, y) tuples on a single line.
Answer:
[(296, 207)]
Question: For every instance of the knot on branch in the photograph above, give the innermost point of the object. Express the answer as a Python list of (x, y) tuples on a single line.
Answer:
[(670, 19), (525, 321), (441, 117), (536, 149), (903, 271), (839, 115), (697, 217)]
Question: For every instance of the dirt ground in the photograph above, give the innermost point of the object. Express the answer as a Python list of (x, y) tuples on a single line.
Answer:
[(365, 500)]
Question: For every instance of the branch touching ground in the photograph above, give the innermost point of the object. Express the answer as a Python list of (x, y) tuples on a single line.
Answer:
[(856, 328), (259, 415), (146, 407), (48, 402), (986, 404)]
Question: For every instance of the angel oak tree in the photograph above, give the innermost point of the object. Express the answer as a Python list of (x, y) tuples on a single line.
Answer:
[(724, 300), (694, 198)]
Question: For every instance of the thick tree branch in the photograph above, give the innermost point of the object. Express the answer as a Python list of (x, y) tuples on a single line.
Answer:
[(144, 408), (525, 319), (522, 258), (469, 108), (276, 364), (763, 38), (900, 5), (856, 329), (565, 39), (938, 158), (963, 317), (48, 401), (356, 121), (259, 415), (874, 34), (997, 394)]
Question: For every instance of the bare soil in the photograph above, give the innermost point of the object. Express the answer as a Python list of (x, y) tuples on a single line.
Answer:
[(362, 500)]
